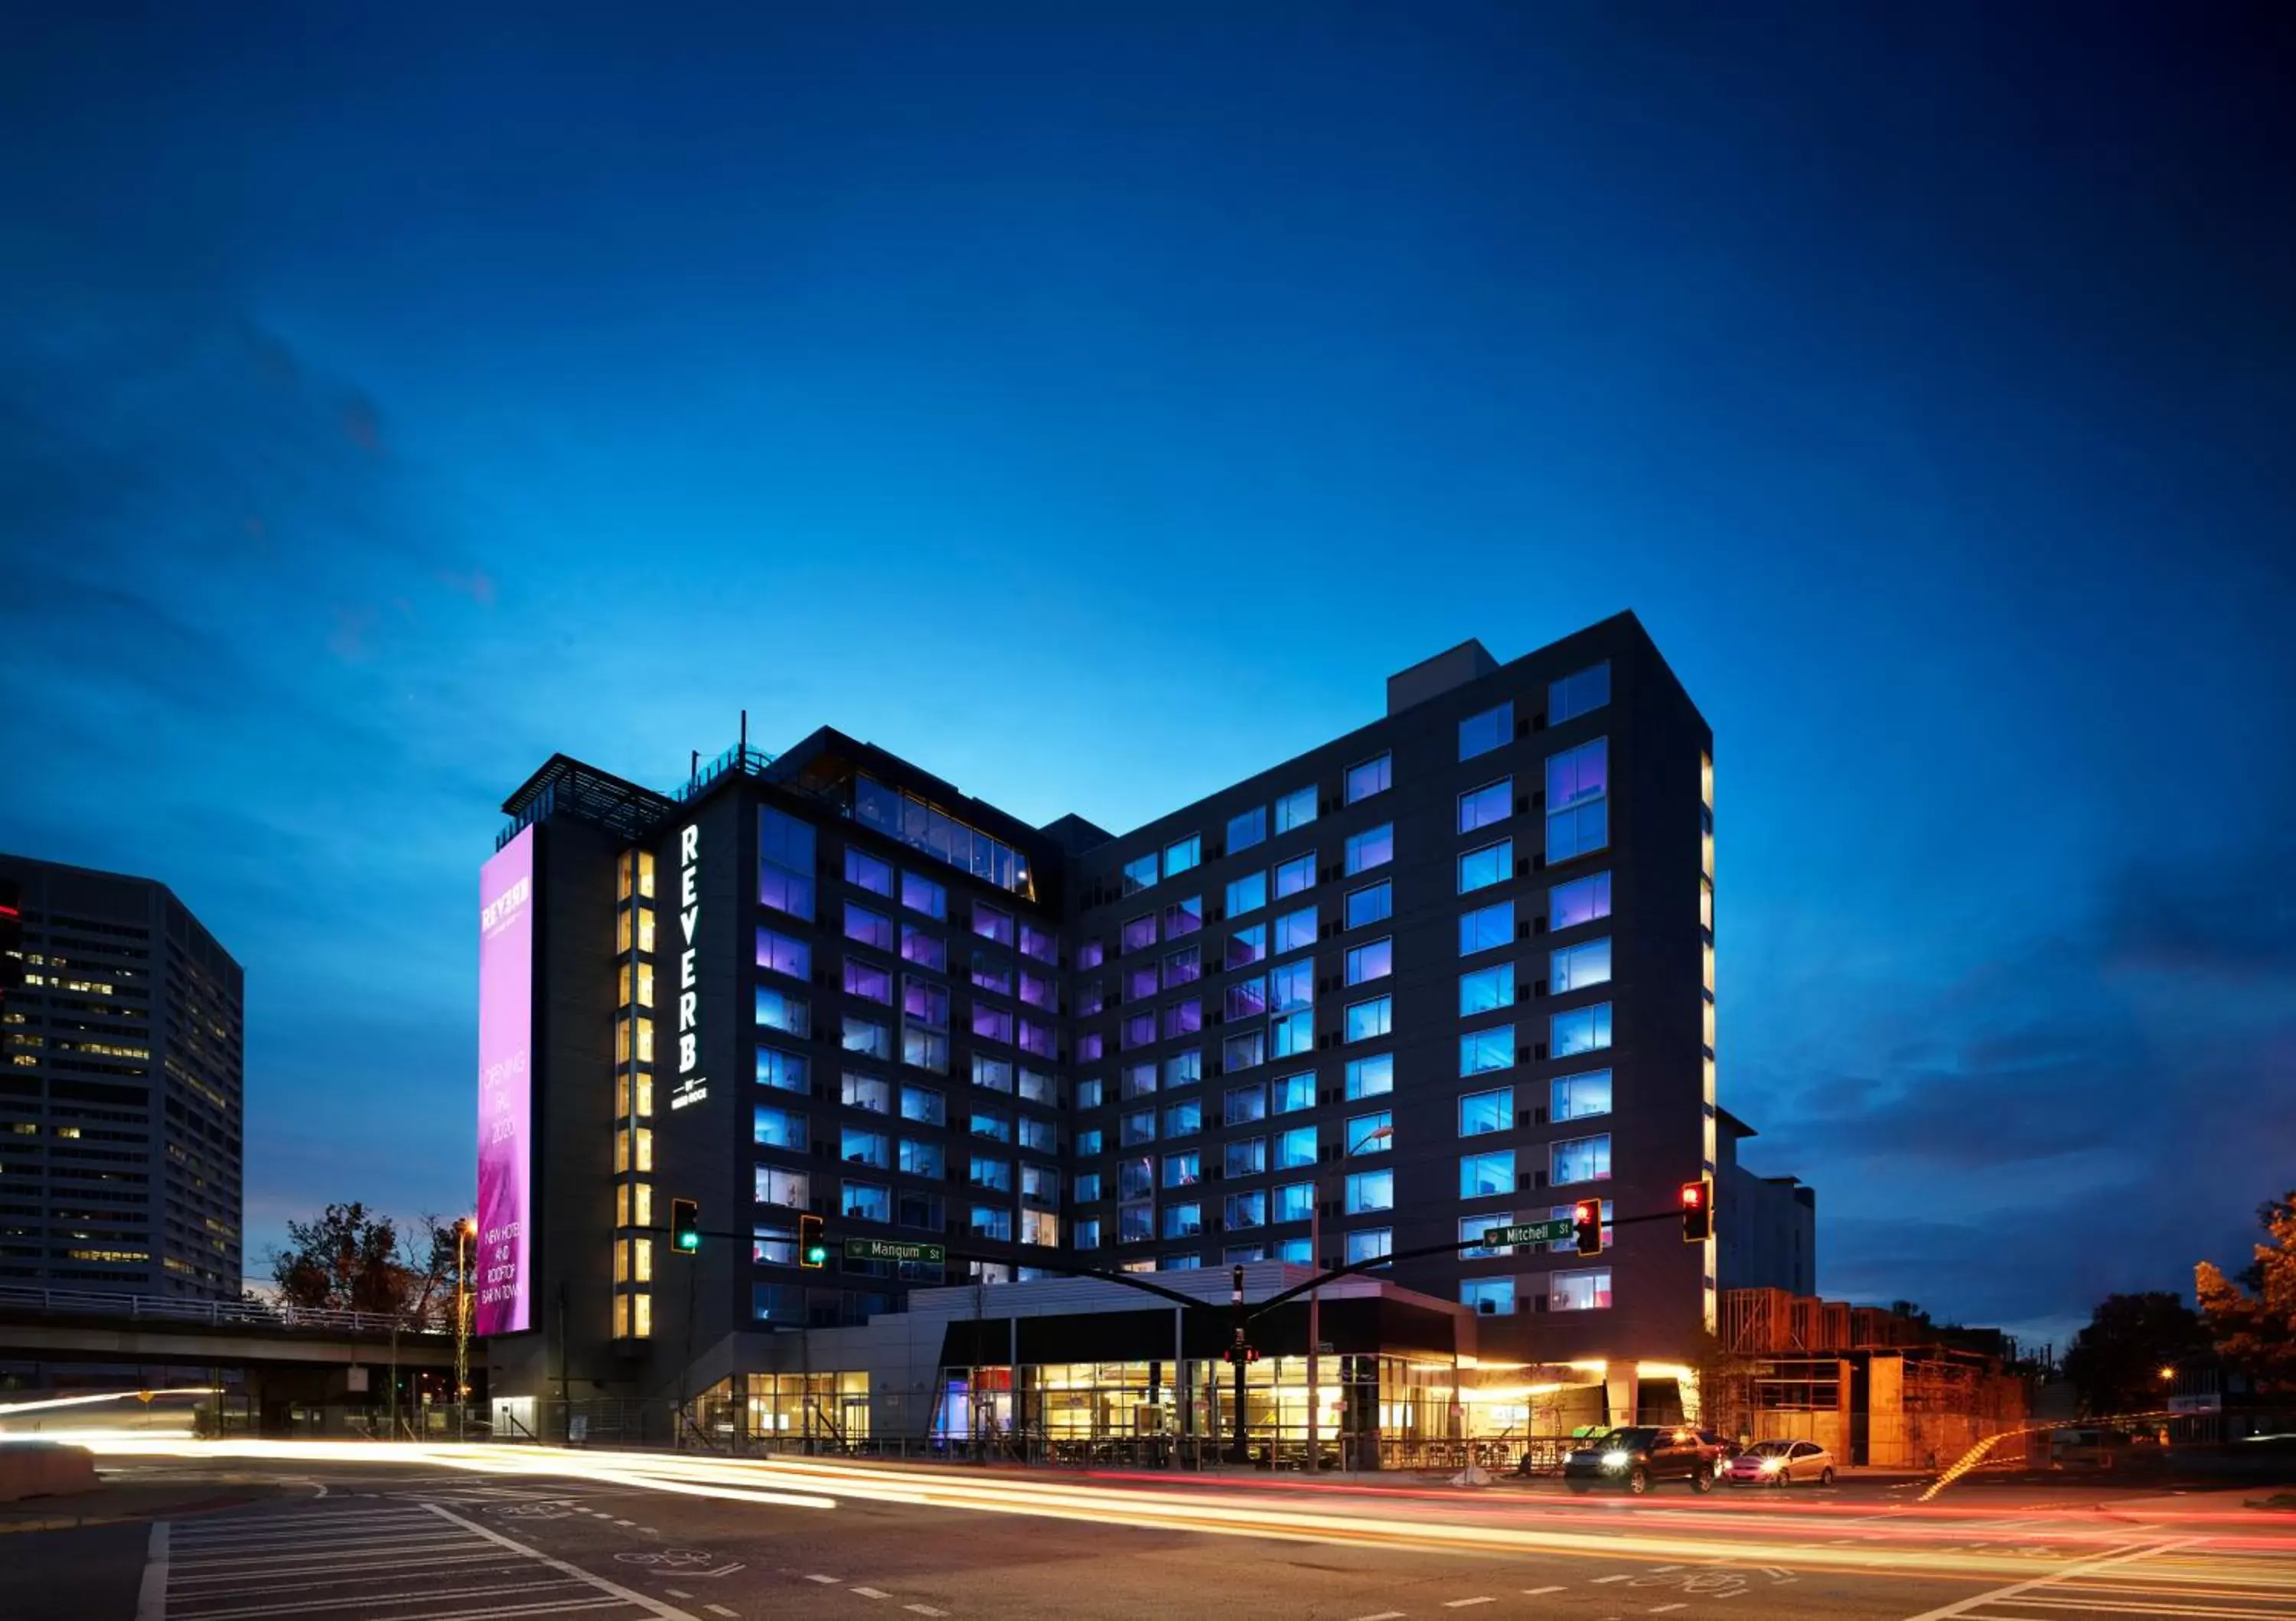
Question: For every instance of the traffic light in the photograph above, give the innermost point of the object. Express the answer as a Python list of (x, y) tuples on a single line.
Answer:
[(685, 1226), (812, 1248), (1587, 1220), (1242, 1354), (1698, 1210)]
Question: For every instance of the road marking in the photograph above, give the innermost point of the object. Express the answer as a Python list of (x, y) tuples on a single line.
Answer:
[(828, 1580), (1602, 1580), (677, 1593), (1463, 1603), (1534, 1592), (925, 1609), (152, 1596), (625, 1522), (305, 1606), (1659, 1609), (2127, 1556), (1385, 1614), (872, 1592), (628, 1595), (721, 1609)]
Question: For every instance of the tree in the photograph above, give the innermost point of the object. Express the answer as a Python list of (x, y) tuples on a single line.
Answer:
[(1722, 1379), (430, 1261), (2115, 1363), (346, 1260), (2254, 1326)]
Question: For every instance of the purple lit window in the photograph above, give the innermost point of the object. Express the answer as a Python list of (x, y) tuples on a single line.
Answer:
[(921, 894), (1140, 982), (783, 954), (1140, 932), (1182, 967), (1036, 1039), (1247, 998), (864, 870), (925, 950), (1139, 1029), (1089, 955), (867, 928), (924, 1002), (1039, 943), (991, 924), (1246, 945), (991, 1024), (1090, 1047), (1184, 917), (1037, 993), (1582, 900), (1577, 773), (1184, 1019), (990, 975), (867, 981), (1089, 999)]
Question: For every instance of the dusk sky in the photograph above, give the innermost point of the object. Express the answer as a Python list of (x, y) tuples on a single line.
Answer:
[(390, 396)]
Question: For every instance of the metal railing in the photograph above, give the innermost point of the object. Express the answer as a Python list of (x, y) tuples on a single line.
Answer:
[(218, 1313)]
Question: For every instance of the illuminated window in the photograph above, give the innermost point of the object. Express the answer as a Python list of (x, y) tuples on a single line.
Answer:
[(623, 868), (645, 1039), (1369, 1191), (1184, 917), (1183, 855), (1578, 808), (1579, 1291), (621, 1316), (1493, 864), (1486, 990), (868, 928), (868, 980), (1372, 959), (1575, 968), (1371, 904), (1710, 973), (1486, 926), (1480, 1112), (779, 1010), (1582, 900), (646, 1149), (1140, 874), (1289, 1094), (1481, 807), (1296, 930), (1580, 1159), (785, 1071), (642, 1205), (1247, 894), (781, 1128), (1295, 875), (1367, 1020), (1295, 809), (1370, 1244), (784, 863), (1706, 781), (1708, 1012), (784, 954), (1706, 846), (1569, 1245), (922, 894), (1483, 1175), (1374, 776), (1248, 828), (1706, 902), (864, 870), (1476, 1226), (1481, 1051), (1574, 1097), (1481, 733), (642, 1255), (1370, 1077), (1586, 1029), (641, 1316), (1295, 1149), (1578, 693), (1371, 1133), (1137, 934), (776, 1186), (622, 1205), (1488, 1297)]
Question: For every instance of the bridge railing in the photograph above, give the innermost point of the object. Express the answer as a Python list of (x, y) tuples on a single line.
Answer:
[(18, 1299)]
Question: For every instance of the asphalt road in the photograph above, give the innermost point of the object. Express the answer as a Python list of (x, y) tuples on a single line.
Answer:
[(691, 1540)]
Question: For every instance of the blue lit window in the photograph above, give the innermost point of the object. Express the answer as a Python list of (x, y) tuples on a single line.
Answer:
[(923, 1159), (1247, 829), (1367, 1020), (1183, 1069), (1180, 1263), (922, 1104), (1578, 812), (872, 1149), (1481, 1051), (782, 1071), (1087, 1092), (1290, 1094), (1582, 900), (992, 1221), (1295, 809), (1580, 1030), (1491, 803), (1087, 1234), (1140, 874), (992, 923), (1476, 1226), (779, 1010), (992, 1073), (1374, 776), (1244, 1052), (1295, 929), (1371, 1077), (868, 928), (1295, 1148), (1577, 1096), (1246, 1211), (1369, 1191), (1137, 1128), (1372, 960), (1493, 864), (1184, 917), (1486, 926), (1370, 1244), (1580, 1159), (1486, 1111), (1481, 733), (1574, 968), (869, 1039), (1485, 990), (1244, 1105), (1487, 1296), (1291, 1036), (1182, 854), (1183, 1220), (1246, 998), (1292, 986), (1089, 1142), (1296, 1202), (1295, 876), (1482, 1175), (1371, 1133), (867, 1201), (1372, 847), (923, 949), (1184, 1118), (922, 893), (1246, 947), (1041, 944), (1184, 1170), (1371, 904), (784, 863), (1137, 1081), (866, 1092), (780, 1128), (1136, 1178), (864, 870), (1248, 893), (993, 1124), (1088, 1187), (1135, 1222), (784, 954), (1579, 693), (1245, 1156), (917, 825), (1295, 1252)]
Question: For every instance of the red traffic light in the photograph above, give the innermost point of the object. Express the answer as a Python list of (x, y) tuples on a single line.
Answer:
[(1587, 1222), (1697, 1211)]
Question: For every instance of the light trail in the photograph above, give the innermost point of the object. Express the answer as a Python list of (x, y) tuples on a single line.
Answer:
[(9, 1410)]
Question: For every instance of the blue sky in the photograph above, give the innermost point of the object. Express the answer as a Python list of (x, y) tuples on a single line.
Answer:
[(1095, 403)]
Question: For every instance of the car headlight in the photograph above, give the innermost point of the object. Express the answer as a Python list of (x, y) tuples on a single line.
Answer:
[(1771, 1466), (1614, 1459)]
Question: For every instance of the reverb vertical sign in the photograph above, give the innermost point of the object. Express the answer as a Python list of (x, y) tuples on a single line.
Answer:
[(502, 1281), (692, 1085)]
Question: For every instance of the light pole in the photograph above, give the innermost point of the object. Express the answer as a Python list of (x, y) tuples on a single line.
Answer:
[(463, 1228)]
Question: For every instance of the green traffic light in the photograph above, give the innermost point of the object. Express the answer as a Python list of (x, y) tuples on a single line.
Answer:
[(815, 1254), (689, 1240)]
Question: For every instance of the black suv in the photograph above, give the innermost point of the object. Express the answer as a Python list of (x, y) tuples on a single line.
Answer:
[(1641, 1455)]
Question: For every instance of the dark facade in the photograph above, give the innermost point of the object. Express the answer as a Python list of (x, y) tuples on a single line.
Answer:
[(1771, 1238), (1450, 970), (120, 1114)]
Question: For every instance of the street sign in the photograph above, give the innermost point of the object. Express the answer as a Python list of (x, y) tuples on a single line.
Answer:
[(894, 1249), (1527, 1232)]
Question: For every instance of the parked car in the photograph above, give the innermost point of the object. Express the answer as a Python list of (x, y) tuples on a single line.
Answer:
[(1723, 1449), (1639, 1456), (1782, 1463)]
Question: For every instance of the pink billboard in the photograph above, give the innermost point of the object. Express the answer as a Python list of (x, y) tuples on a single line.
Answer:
[(502, 1278)]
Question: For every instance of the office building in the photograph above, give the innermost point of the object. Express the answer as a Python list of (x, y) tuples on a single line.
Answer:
[(1452, 971), (120, 1114)]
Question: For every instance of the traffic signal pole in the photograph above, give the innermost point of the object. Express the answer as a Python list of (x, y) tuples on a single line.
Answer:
[(1238, 1453)]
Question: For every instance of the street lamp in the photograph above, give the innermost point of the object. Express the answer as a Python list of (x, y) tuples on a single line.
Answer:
[(465, 1229)]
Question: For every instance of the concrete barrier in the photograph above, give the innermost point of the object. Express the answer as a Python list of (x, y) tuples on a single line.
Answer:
[(44, 1468)]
